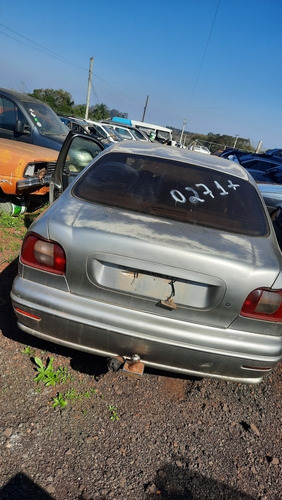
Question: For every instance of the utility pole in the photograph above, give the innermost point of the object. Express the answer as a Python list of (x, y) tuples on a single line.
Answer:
[(182, 132), (89, 89), (145, 107), (258, 147)]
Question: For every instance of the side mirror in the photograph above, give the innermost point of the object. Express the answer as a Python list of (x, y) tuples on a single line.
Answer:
[(21, 128)]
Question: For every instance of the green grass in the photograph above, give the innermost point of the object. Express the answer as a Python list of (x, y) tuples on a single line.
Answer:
[(12, 232), (9, 221)]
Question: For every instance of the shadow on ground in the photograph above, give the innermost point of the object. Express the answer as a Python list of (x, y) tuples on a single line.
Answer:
[(177, 482), (171, 483), (82, 362), (22, 487)]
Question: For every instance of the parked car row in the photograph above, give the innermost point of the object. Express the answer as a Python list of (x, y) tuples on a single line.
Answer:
[(127, 132), (266, 169), (96, 129), (106, 131)]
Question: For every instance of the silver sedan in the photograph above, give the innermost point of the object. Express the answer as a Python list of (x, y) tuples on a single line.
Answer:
[(155, 255)]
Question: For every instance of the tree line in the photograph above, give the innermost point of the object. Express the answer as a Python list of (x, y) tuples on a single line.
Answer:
[(62, 103), (214, 142)]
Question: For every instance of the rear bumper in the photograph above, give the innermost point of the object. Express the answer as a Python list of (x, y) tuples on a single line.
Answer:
[(109, 330)]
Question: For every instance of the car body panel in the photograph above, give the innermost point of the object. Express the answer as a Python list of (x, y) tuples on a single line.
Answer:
[(108, 330), (186, 258), (272, 194)]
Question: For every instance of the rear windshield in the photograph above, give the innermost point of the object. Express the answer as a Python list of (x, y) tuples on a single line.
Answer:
[(174, 190)]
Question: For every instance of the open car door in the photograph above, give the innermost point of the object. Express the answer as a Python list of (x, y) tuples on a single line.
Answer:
[(77, 152)]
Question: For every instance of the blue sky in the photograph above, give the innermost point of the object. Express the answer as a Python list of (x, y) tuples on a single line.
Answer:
[(215, 63)]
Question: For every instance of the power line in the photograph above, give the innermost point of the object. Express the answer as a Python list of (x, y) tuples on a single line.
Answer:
[(205, 51), (41, 48), (37, 46), (95, 93)]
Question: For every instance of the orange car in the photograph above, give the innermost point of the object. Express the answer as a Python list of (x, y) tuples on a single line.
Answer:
[(25, 168)]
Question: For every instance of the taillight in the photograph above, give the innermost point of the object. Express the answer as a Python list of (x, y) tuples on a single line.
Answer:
[(43, 254), (263, 303)]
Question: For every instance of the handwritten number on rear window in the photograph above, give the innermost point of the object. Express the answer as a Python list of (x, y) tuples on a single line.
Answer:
[(198, 197)]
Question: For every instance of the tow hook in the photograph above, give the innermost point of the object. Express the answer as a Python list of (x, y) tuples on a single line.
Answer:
[(169, 302), (134, 366)]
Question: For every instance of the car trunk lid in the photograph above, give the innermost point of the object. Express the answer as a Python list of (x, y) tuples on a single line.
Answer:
[(160, 266)]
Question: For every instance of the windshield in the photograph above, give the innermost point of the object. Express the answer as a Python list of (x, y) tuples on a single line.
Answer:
[(174, 190), (162, 135), (45, 119), (112, 133), (138, 135), (124, 133)]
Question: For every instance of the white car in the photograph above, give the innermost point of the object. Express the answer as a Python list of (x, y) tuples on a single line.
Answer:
[(127, 133), (199, 149)]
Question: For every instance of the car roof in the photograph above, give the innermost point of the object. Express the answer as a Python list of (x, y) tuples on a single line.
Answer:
[(181, 155), (18, 95), (80, 121), (275, 150)]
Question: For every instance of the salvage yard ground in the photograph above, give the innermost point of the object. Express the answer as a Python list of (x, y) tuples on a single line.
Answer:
[(70, 429)]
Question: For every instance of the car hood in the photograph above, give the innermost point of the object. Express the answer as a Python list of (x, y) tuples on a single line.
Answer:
[(11, 151)]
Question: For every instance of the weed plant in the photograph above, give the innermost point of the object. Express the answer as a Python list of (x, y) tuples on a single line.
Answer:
[(47, 375)]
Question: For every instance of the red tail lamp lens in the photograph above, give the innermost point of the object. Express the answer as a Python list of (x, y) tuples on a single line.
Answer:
[(263, 303), (28, 314), (43, 254)]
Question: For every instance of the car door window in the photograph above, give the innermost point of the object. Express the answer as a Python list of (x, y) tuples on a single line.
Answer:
[(80, 154), (124, 133), (10, 114), (77, 152), (7, 114)]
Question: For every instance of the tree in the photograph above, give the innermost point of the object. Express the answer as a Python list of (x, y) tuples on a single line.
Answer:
[(96, 113), (59, 100), (100, 112), (115, 112), (79, 111)]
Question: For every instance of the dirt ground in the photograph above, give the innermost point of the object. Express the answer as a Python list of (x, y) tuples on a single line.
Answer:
[(82, 432)]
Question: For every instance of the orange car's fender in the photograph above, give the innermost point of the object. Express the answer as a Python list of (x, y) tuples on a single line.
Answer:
[(14, 157)]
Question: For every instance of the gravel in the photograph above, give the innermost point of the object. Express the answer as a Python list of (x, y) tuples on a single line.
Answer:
[(161, 436)]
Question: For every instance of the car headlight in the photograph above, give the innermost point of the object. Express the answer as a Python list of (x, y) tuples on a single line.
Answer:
[(30, 170)]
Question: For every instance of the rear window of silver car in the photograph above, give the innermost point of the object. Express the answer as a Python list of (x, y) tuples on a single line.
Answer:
[(174, 190)]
